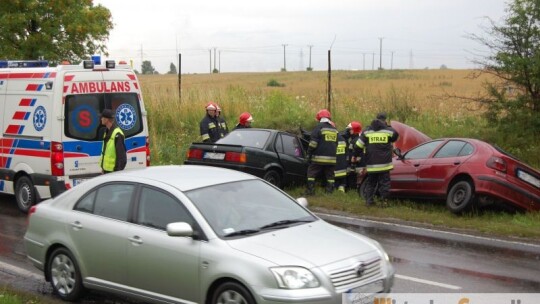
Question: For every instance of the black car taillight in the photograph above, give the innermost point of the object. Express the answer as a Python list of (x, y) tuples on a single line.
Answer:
[(194, 153), (235, 157), (497, 163)]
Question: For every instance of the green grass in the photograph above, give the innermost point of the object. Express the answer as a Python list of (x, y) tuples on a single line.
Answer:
[(412, 97), (9, 295), (431, 214)]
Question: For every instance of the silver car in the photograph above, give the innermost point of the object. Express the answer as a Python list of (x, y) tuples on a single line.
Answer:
[(198, 234)]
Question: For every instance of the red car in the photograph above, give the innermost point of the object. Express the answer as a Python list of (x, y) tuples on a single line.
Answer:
[(465, 171)]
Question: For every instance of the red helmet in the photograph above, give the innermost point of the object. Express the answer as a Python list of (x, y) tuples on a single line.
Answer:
[(244, 118), (210, 106), (356, 127), (324, 113)]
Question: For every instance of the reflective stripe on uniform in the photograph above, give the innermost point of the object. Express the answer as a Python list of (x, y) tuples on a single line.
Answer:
[(323, 159), (379, 167)]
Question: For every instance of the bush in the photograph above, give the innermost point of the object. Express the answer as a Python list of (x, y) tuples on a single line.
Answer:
[(274, 83)]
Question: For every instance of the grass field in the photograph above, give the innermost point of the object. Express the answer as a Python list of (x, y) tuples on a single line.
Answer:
[(413, 97)]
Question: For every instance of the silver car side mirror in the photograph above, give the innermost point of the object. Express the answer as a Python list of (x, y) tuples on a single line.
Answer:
[(179, 229), (302, 201)]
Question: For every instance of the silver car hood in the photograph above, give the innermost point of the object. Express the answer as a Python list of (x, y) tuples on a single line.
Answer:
[(310, 245)]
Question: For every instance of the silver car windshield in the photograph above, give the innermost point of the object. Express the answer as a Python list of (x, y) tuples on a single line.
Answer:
[(247, 207)]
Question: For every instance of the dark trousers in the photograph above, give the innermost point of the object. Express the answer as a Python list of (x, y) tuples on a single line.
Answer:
[(377, 181), (314, 171)]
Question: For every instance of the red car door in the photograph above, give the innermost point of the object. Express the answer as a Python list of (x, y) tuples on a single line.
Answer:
[(437, 171), (404, 176)]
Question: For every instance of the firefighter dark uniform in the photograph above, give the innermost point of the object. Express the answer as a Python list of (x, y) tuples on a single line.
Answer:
[(354, 156), (209, 126), (322, 153), (340, 171), (222, 124), (377, 141)]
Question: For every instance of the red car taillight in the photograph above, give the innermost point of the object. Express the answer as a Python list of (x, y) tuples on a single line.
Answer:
[(497, 163), (194, 153), (57, 159), (147, 152), (235, 157)]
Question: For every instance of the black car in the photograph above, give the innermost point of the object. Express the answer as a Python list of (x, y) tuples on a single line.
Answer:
[(276, 156)]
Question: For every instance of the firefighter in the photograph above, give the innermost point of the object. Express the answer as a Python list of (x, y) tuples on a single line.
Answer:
[(209, 126), (244, 121), (378, 141), (222, 124), (340, 171), (321, 152), (113, 153), (355, 155)]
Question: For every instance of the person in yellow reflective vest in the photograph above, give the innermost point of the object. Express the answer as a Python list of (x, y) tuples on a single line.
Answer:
[(377, 141), (113, 153)]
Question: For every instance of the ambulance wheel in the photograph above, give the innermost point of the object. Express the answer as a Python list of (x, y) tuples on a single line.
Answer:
[(25, 193)]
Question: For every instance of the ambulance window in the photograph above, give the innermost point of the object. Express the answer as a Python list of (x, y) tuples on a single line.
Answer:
[(82, 114), (128, 112)]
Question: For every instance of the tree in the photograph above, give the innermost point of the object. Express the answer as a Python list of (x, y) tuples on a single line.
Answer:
[(53, 30), (147, 67), (172, 69), (514, 60)]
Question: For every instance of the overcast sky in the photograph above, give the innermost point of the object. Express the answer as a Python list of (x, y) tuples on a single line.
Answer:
[(248, 35)]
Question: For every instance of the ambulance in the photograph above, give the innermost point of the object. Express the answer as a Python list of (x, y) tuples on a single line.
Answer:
[(51, 136)]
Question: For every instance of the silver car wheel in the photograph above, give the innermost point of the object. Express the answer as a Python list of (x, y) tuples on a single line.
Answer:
[(63, 274), (231, 297), (232, 293)]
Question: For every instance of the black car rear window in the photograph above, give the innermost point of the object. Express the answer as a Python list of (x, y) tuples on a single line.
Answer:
[(247, 138)]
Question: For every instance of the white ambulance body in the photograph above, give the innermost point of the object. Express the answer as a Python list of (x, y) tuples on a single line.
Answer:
[(51, 136)]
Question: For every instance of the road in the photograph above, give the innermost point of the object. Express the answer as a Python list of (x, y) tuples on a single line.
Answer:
[(423, 264)]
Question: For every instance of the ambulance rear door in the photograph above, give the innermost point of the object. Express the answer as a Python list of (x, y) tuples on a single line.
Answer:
[(87, 94)]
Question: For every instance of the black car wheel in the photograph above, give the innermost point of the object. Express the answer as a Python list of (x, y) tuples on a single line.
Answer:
[(25, 193), (232, 293), (65, 275), (460, 197), (273, 177)]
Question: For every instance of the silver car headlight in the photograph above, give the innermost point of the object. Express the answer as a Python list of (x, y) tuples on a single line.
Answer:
[(290, 277)]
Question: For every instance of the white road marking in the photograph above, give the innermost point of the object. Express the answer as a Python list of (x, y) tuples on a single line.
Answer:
[(20, 271), (402, 277)]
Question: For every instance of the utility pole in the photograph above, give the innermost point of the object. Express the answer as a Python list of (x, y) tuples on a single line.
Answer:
[(392, 61), (219, 64), (380, 52), (364, 61), (210, 50), (284, 60), (214, 59), (411, 62), (310, 68), (329, 100), (142, 60), (180, 77), (373, 62)]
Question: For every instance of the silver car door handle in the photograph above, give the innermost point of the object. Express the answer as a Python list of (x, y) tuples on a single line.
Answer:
[(77, 225), (136, 240)]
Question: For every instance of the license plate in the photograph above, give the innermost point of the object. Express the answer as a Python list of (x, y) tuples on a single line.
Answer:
[(77, 181), (214, 155), (363, 294)]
